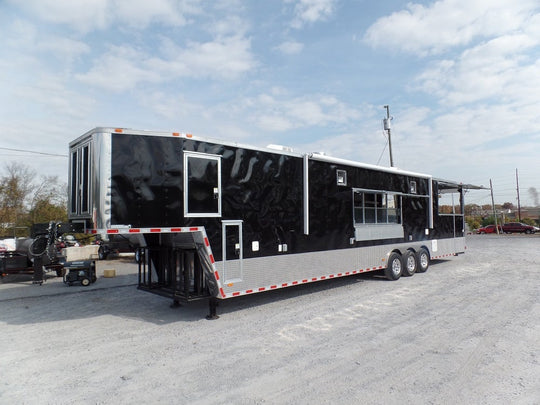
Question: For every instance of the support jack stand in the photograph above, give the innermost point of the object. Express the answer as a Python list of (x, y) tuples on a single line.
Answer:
[(213, 303), (38, 271), (175, 304)]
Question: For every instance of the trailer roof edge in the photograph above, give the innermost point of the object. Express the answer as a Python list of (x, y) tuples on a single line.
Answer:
[(330, 159), (312, 155)]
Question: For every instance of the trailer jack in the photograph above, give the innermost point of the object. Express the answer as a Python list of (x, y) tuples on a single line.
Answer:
[(213, 304)]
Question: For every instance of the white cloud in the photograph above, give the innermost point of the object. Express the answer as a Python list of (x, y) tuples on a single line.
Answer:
[(311, 11), (364, 145), (499, 69), (63, 48), (21, 40), (460, 143), (81, 15), (290, 47), (141, 13), (49, 94), (445, 24), (280, 114), (35, 69), (85, 16), (229, 26), (225, 57), (122, 68)]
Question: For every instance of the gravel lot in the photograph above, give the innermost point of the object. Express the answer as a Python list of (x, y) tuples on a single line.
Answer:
[(465, 332)]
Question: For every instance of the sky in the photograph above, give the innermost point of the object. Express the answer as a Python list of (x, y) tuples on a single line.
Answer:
[(461, 79)]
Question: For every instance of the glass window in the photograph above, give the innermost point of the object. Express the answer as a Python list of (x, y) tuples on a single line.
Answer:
[(450, 204), (202, 185), (341, 176), (79, 193), (376, 208), (84, 178), (358, 202), (74, 182), (381, 209), (370, 206), (394, 216)]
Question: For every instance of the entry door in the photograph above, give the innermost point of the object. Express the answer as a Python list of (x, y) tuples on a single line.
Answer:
[(202, 185), (232, 251)]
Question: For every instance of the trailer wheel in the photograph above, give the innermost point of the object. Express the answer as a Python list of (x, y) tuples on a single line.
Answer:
[(85, 282), (395, 267), (423, 260), (410, 263)]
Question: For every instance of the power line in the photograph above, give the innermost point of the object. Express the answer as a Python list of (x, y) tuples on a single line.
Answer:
[(32, 151)]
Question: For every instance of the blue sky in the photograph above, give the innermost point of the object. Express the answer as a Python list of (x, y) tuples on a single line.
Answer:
[(461, 77)]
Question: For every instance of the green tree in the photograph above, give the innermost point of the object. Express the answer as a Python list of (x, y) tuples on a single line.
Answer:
[(473, 222), (528, 221)]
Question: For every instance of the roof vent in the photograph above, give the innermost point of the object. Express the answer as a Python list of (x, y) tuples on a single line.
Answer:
[(280, 147)]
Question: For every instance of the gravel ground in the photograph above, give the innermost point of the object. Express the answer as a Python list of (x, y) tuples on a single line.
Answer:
[(465, 332)]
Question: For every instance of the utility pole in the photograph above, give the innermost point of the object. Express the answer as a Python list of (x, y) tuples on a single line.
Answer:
[(519, 205), (387, 127), (493, 206)]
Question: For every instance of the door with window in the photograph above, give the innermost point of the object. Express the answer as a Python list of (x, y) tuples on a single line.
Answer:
[(202, 185)]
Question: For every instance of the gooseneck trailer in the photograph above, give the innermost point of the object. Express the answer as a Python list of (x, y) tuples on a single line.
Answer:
[(217, 220)]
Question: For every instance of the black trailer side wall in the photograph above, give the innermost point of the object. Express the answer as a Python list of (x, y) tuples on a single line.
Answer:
[(263, 189)]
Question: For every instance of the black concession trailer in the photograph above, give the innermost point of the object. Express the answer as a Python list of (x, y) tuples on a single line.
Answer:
[(216, 219)]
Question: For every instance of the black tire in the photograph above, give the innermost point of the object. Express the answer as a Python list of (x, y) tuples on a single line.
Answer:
[(38, 247), (103, 253), (410, 263), (395, 267), (85, 282), (422, 260)]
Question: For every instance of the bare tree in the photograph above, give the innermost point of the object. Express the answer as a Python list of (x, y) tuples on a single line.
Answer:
[(25, 201), (15, 187), (48, 201)]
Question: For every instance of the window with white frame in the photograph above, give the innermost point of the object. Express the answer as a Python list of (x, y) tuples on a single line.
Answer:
[(376, 207)]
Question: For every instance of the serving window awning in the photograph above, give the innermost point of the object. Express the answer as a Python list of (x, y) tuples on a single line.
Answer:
[(447, 186)]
